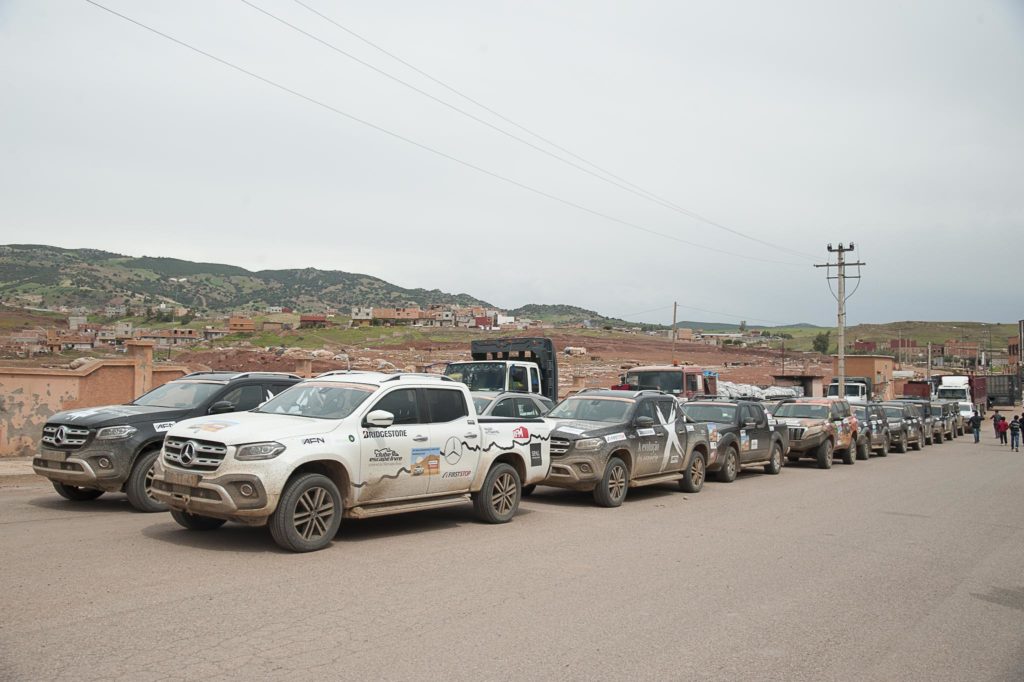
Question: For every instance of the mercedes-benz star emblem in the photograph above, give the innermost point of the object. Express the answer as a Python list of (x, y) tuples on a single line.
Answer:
[(188, 454), (59, 436)]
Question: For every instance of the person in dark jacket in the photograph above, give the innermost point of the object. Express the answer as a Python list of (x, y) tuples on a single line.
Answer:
[(975, 423), (1015, 434), (995, 422)]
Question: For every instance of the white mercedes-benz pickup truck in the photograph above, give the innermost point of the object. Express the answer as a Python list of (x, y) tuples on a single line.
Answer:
[(348, 444)]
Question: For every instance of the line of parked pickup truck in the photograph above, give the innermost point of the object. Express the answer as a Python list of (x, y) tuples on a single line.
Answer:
[(298, 455)]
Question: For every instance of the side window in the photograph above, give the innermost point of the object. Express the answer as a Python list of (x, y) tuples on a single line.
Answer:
[(401, 403), (667, 409), (646, 409), (546, 403), (757, 414), (691, 383), (517, 378), (446, 405), (534, 380), (526, 408), (504, 409), (245, 398), (277, 388)]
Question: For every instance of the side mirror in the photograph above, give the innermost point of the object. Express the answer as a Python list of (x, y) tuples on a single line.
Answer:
[(644, 422), (221, 406), (381, 418)]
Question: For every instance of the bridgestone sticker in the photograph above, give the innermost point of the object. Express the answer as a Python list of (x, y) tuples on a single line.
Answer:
[(389, 433), (614, 437), (645, 432), (160, 427)]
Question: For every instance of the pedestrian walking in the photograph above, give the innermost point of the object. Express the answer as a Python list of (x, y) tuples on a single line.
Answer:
[(975, 423), (1015, 434), (1002, 427), (995, 422)]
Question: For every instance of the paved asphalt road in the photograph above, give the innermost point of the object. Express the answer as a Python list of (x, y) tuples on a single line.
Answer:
[(909, 567)]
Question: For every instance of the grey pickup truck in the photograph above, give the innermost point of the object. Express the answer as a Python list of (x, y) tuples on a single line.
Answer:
[(607, 441)]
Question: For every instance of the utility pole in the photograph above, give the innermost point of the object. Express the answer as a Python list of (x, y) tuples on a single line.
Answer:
[(675, 306), (841, 276), (928, 373)]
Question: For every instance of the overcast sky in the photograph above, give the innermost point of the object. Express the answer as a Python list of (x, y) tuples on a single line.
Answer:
[(897, 125)]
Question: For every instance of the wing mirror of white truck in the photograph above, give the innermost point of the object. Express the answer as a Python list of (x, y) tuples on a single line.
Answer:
[(381, 418)]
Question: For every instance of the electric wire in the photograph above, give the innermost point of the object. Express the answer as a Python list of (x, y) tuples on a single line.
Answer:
[(611, 178), (425, 147)]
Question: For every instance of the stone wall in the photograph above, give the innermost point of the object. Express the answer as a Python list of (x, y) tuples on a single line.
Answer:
[(30, 396)]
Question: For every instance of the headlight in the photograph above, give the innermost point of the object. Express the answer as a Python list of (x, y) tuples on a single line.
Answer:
[(259, 451), (115, 432), (588, 443)]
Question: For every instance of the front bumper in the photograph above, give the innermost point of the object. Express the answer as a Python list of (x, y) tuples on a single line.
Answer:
[(807, 443), (102, 465), (230, 496), (576, 472)]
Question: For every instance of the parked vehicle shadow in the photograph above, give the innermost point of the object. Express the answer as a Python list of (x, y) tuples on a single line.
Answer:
[(110, 502), (231, 537), (561, 497)]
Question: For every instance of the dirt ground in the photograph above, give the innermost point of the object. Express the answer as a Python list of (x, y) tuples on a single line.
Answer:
[(601, 365)]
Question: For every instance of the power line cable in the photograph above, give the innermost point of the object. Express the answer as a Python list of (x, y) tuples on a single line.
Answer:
[(425, 147), (612, 178)]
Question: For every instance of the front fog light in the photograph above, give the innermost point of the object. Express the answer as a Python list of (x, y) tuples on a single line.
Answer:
[(104, 462), (246, 490), (585, 468)]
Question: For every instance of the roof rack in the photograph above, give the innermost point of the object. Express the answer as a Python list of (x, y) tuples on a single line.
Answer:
[(419, 375), (240, 375)]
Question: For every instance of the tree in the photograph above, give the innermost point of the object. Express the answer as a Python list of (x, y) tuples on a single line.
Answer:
[(820, 342), (743, 326)]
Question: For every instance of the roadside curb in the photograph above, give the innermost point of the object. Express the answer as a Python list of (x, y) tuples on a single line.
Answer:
[(17, 471)]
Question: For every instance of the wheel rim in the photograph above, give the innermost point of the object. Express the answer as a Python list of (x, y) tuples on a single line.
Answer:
[(776, 458), (503, 494), (617, 482), (148, 483), (313, 514), (731, 464), (697, 471)]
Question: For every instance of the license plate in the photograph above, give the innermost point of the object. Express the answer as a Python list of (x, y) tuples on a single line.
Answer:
[(56, 456), (191, 480)]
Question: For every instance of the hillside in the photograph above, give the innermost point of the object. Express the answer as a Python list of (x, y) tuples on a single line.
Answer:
[(92, 279)]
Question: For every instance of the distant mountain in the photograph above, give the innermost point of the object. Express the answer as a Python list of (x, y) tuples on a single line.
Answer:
[(92, 279)]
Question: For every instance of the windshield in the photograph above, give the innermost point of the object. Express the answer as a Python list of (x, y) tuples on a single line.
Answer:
[(710, 413), (179, 394), (952, 393), (802, 411), (321, 400), (479, 376), (937, 410), (894, 412), (853, 390), (592, 409), (668, 381), (967, 408), (861, 413), (481, 404)]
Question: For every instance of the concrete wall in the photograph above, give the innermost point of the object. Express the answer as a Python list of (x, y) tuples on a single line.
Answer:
[(30, 396)]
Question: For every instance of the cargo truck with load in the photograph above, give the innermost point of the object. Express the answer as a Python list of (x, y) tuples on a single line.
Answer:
[(965, 389), (522, 365), (681, 381), (856, 389)]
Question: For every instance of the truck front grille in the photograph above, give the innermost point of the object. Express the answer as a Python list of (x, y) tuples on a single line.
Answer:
[(796, 432), (63, 437), (559, 446), (197, 455)]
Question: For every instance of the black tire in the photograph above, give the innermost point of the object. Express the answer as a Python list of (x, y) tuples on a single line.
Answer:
[(76, 493), (824, 454), (774, 464), (139, 481), (528, 489), (918, 445), (902, 445), (849, 455), (730, 466), (614, 485), (694, 475), (498, 499), (938, 438), (864, 449), (195, 521), (308, 515), (886, 444)]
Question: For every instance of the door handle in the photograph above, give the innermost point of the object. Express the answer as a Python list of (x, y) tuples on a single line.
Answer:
[(470, 435), (419, 439)]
